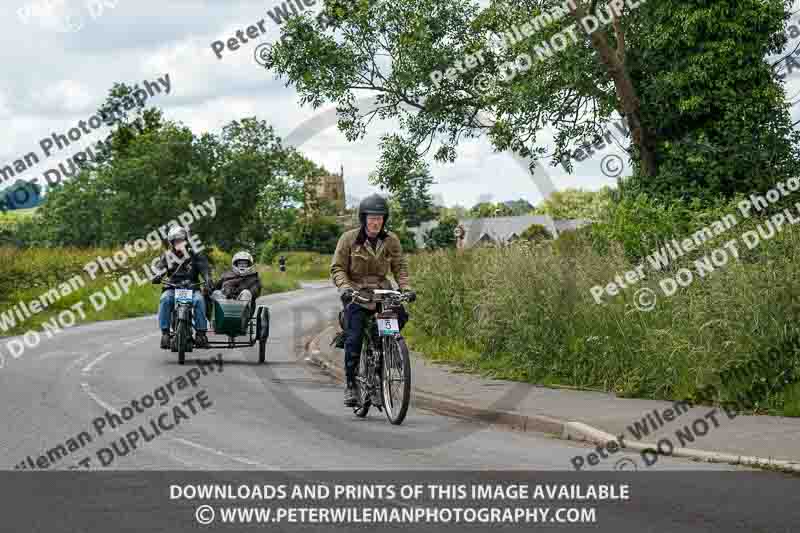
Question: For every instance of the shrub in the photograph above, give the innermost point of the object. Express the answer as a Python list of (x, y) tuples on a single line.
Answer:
[(442, 236), (535, 232)]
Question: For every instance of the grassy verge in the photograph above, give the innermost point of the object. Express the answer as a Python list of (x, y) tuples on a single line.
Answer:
[(526, 313), (41, 269), (300, 266)]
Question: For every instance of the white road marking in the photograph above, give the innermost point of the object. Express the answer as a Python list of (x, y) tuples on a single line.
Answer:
[(88, 367), (217, 452), (139, 340), (98, 401), (78, 361)]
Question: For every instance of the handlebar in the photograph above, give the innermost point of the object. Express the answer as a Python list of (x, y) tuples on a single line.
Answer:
[(183, 285), (380, 295)]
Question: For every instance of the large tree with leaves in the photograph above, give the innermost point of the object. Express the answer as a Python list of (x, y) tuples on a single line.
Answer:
[(673, 69), (151, 173)]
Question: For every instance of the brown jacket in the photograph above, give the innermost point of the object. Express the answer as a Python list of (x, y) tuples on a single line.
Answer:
[(357, 266)]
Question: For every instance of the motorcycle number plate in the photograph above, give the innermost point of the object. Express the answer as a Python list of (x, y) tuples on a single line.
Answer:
[(183, 295), (388, 326)]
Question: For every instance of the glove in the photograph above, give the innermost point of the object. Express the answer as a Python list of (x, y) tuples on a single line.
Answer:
[(410, 295), (347, 296), (156, 280)]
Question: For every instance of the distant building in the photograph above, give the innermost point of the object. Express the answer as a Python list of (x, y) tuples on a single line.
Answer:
[(499, 230), (328, 189)]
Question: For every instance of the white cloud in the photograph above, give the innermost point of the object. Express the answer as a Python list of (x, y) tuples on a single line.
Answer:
[(53, 79)]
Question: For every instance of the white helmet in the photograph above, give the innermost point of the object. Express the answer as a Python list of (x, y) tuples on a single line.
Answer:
[(175, 233), (243, 270)]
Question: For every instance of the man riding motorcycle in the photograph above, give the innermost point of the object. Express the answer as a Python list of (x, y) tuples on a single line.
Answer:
[(179, 264), (363, 258), (241, 282)]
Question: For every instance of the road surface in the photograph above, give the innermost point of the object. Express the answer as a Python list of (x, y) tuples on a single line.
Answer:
[(286, 415)]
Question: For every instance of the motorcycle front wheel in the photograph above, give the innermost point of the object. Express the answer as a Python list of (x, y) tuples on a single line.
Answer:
[(181, 339)]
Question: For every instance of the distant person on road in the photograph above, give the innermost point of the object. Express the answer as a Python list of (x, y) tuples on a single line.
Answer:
[(180, 263), (363, 259), (282, 263), (241, 282)]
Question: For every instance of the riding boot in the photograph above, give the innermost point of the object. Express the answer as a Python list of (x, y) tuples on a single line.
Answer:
[(350, 396), (165, 339), (200, 339)]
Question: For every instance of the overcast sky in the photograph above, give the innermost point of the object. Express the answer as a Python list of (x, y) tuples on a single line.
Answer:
[(58, 67)]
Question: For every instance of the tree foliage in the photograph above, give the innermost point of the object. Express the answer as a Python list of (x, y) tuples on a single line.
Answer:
[(490, 209), (441, 236), (576, 204), (674, 69), (151, 173), (411, 195)]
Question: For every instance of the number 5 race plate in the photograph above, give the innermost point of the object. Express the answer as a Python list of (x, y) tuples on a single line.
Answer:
[(388, 326)]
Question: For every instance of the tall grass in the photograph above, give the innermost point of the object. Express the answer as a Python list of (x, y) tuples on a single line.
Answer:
[(526, 312)]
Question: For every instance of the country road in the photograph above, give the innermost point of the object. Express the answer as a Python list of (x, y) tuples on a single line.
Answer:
[(286, 414), (285, 417)]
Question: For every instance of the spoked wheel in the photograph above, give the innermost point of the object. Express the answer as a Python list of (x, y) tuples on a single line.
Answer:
[(362, 384), (396, 379), (180, 341)]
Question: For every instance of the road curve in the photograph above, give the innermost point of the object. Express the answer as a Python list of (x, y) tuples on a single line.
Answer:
[(286, 415)]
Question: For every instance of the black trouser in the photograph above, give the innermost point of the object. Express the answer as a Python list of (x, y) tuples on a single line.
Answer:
[(355, 318)]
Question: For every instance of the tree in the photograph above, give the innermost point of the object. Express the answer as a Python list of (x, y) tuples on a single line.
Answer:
[(535, 233), (576, 204), (666, 67), (519, 207), (151, 174), (413, 198), (441, 236), (489, 209), (317, 234)]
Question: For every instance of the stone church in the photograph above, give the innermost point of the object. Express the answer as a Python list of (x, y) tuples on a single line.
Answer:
[(329, 189)]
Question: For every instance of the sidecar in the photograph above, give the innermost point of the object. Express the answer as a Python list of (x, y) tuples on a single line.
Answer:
[(235, 319)]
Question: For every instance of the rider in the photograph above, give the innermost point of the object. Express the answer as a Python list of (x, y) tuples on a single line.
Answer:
[(363, 258), (179, 264), (241, 282)]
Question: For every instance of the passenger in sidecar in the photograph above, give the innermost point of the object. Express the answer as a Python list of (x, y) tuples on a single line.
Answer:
[(239, 283)]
